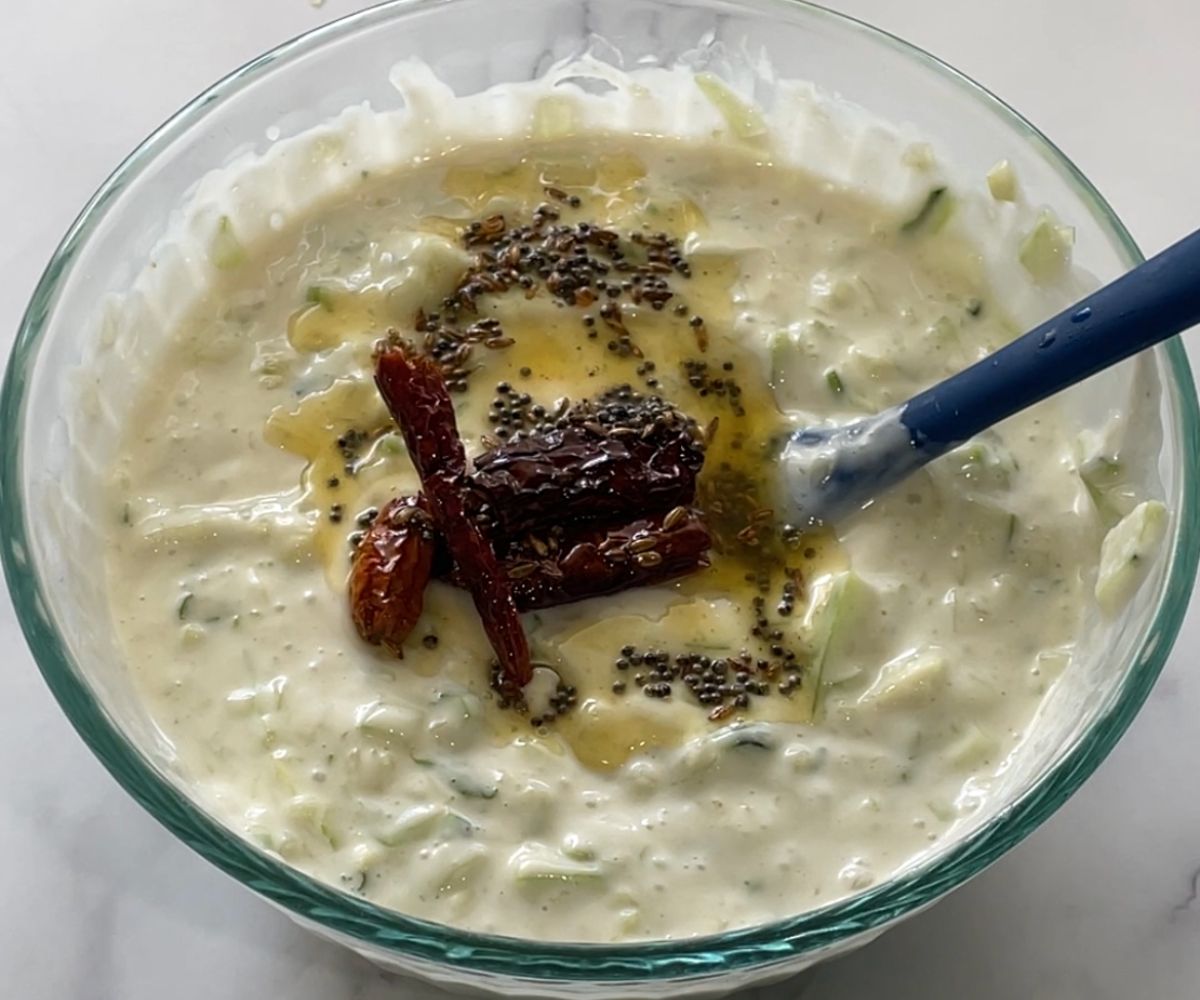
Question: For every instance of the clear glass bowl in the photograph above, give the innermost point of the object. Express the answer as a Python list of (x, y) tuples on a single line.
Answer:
[(50, 546)]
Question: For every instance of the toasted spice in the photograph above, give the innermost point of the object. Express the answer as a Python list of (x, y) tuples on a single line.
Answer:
[(723, 685), (578, 265)]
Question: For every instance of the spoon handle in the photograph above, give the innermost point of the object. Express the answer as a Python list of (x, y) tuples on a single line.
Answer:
[(1154, 301)]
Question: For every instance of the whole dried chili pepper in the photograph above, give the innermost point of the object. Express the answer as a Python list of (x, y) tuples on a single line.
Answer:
[(415, 393), (588, 472), (391, 567), (645, 552)]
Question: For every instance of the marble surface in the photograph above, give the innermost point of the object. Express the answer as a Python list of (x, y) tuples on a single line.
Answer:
[(1100, 904)]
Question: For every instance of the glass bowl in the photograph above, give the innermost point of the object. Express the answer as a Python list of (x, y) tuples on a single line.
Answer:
[(50, 543)]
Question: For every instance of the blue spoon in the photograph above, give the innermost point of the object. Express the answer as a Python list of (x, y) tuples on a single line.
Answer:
[(830, 472)]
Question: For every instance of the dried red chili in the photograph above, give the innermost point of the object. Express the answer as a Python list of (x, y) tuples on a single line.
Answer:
[(391, 567), (645, 552), (415, 393), (602, 463)]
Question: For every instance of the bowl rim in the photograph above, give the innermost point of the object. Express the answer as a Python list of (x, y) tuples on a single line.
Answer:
[(423, 941)]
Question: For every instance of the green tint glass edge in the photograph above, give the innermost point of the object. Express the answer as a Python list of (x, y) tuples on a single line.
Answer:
[(421, 940)]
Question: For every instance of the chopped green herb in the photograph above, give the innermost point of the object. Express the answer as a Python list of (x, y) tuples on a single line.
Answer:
[(1012, 529), (183, 606), (319, 296), (834, 381), (974, 307)]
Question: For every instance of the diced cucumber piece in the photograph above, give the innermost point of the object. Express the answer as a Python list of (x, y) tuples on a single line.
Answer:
[(308, 812), (1048, 666), (281, 772), (1050, 663), (1045, 251), (784, 352), (202, 608), (974, 749), (836, 602), (371, 768), (908, 680), (412, 824), (1126, 554), (456, 864), (472, 784), (577, 849), (1107, 480), (386, 721), (919, 156), (933, 214), (744, 121), (328, 147), (226, 251), (754, 736), (241, 700), (423, 822), (944, 330), (534, 861), (268, 696), (1002, 181), (629, 918), (453, 720), (986, 463), (943, 810)]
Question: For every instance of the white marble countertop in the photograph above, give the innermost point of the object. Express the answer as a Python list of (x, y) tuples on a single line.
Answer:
[(101, 903)]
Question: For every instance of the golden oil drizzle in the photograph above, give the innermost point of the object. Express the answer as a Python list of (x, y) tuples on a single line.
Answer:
[(380, 468), (338, 317), (604, 733)]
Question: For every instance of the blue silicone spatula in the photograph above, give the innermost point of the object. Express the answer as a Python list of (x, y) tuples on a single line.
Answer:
[(830, 472)]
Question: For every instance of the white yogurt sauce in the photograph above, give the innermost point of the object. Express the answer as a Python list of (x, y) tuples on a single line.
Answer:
[(936, 621)]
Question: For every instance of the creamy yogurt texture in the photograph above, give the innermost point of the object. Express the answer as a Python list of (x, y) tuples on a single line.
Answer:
[(929, 626)]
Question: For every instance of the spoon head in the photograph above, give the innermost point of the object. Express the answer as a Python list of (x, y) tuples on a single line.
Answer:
[(829, 472)]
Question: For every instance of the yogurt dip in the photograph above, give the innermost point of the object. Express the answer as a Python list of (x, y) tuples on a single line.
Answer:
[(893, 663)]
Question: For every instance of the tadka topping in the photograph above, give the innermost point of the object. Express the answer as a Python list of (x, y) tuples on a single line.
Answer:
[(391, 567), (581, 265), (412, 388), (504, 525), (724, 684), (572, 566), (600, 461), (579, 500)]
